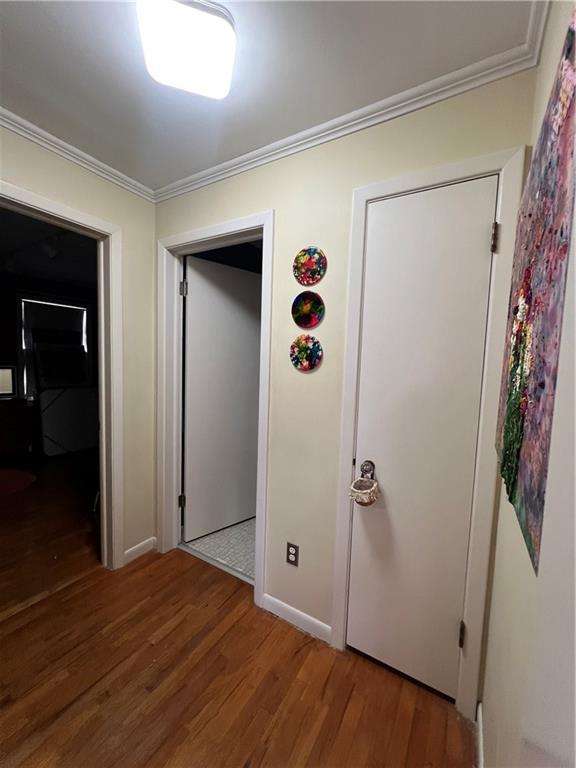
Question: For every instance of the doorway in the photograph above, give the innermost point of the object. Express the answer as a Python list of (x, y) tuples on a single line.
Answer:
[(221, 349), (49, 447), (173, 251), (107, 237)]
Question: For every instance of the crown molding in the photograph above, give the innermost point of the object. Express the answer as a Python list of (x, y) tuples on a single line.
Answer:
[(46, 140), (501, 65), (488, 70)]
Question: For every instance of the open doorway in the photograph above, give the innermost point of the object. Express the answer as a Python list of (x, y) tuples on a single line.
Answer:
[(221, 373), (49, 422)]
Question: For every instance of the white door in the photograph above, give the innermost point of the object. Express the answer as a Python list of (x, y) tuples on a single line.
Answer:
[(222, 360), (426, 288)]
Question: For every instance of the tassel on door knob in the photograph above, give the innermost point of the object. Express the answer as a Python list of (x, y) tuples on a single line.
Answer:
[(364, 490)]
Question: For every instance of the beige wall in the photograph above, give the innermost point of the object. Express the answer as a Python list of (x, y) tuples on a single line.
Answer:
[(528, 697), (28, 165), (311, 194)]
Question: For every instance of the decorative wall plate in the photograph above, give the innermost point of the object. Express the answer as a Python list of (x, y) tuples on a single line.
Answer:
[(308, 309), (309, 265), (306, 353)]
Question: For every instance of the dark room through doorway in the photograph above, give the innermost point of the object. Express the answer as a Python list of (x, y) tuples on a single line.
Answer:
[(49, 422)]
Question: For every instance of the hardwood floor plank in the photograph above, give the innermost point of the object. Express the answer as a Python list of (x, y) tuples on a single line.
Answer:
[(436, 738), (383, 695), (336, 694), (416, 757), (344, 740), (397, 752)]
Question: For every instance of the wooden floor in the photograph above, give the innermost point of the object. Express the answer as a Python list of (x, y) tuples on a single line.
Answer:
[(167, 662), (45, 537)]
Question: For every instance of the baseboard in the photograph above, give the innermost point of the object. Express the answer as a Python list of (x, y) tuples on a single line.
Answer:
[(148, 545), (479, 737), (301, 620)]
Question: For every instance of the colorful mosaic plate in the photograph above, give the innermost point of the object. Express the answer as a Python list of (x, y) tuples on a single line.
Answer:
[(308, 309), (306, 353), (309, 266)]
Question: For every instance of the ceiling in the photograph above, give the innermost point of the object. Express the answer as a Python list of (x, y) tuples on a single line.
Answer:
[(76, 70)]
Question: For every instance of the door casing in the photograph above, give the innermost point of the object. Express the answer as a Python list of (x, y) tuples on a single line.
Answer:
[(509, 166), (171, 251)]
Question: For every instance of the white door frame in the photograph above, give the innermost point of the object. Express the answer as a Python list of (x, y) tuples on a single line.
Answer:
[(509, 166), (110, 338), (169, 384)]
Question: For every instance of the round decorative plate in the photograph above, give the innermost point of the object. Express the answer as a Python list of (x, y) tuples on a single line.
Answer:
[(308, 309), (306, 353), (309, 265)]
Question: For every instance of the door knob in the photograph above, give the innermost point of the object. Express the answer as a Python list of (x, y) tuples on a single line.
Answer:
[(367, 469), (364, 490)]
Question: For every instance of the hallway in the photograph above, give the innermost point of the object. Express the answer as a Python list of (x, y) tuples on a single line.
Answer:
[(167, 662)]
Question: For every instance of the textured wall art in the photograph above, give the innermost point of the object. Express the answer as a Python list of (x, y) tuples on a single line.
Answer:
[(308, 309), (306, 353), (536, 306), (309, 265)]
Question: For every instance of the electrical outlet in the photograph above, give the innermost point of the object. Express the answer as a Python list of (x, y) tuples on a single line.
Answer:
[(292, 554)]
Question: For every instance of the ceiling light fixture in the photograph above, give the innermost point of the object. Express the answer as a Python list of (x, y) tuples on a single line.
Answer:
[(190, 46)]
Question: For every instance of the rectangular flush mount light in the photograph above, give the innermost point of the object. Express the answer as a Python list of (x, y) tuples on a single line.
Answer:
[(190, 46)]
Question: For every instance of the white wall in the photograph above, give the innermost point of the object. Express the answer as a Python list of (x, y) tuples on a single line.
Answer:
[(528, 702), (311, 193), (222, 375), (28, 165)]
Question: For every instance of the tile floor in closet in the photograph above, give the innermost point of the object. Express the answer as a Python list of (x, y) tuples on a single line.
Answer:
[(232, 547)]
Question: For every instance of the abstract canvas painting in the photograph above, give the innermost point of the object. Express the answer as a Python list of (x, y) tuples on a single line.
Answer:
[(536, 306)]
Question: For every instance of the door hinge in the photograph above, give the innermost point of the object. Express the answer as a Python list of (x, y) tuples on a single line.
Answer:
[(462, 634), (181, 501), (184, 288), (494, 237)]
